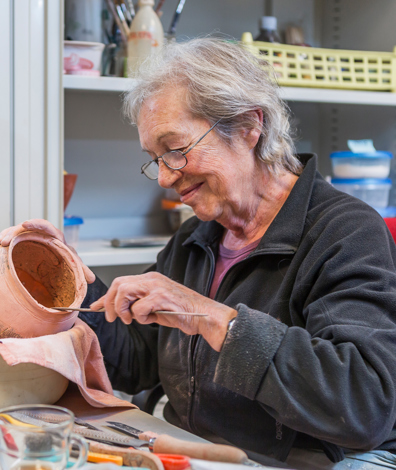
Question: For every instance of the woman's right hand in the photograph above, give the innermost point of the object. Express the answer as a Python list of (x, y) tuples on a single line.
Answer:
[(42, 226)]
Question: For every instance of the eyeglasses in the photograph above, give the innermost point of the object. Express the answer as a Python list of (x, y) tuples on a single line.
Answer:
[(174, 160)]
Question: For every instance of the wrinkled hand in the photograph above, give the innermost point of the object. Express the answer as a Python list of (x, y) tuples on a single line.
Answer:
[(42, 226), (137, 297)]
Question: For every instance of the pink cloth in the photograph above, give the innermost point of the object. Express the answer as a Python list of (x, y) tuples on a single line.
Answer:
[(227, 258), (75, 354)]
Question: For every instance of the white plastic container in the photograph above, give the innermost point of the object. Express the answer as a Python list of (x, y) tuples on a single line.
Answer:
[(374, 192), (361, 165), (82, 58), (146, 35), (71, 229)]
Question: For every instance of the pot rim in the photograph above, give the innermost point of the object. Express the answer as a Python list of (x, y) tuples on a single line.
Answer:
[(68, 256)]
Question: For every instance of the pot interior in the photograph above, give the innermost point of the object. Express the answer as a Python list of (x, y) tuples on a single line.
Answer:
[(44, 274)]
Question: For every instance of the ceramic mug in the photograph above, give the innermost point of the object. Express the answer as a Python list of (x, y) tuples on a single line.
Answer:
[(38, 437)]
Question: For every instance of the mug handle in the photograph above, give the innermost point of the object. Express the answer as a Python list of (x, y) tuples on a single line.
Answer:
[(82, 445)]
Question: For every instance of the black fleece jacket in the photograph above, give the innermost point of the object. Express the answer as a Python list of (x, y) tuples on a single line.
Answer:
[(311, 358)]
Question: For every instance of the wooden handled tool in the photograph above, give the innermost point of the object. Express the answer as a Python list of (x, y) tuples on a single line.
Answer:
[(130, 457), (165, 444)]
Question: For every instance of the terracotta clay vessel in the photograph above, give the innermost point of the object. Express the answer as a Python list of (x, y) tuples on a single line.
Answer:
[(38, 272), (69, 183)]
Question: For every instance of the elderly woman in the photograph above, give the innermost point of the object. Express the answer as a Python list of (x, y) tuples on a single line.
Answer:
[(297, 281)]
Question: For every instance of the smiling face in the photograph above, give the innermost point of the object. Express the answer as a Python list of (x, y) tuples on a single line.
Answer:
[(219, 181)]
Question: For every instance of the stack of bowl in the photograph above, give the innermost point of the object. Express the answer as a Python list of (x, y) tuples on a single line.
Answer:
[(363, 175)]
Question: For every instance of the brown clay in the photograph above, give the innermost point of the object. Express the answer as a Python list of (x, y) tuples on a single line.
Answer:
[(38, 272), (46, 277)]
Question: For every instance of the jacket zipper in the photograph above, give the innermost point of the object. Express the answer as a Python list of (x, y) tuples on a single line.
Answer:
[(195, 340)]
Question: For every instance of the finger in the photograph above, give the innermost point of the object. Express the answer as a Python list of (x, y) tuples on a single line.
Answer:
[(89, 275), (8, 234), (3, 233), (42, 225), (110, 296), (123, 302), (98, 304), (142, 312)]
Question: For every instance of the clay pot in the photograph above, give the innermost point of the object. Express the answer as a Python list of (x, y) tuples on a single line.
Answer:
[(29, 383), (38, 272), (69, 182)]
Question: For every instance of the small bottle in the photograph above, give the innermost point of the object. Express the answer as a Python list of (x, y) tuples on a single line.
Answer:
[(268, 30), (146, 34)]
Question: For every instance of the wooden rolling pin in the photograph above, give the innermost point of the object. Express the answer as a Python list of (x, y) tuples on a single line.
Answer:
[(165, 444)]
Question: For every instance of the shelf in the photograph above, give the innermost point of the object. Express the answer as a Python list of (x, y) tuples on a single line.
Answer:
[(325, 95), (101, 253), (309, 95), (109, 84)]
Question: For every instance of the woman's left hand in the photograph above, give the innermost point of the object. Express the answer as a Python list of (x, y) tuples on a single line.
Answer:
[(137, 297)]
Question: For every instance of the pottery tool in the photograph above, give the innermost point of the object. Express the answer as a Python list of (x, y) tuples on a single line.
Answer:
[(131, 8), (80, 422), (15, 421), (158, 312), (123, 20), (139, 242), (175, 19), (30, 419), (126, 13), (100, 458), (130, 457), (110, 438), (164, 444), (159, 6), (112, 9)]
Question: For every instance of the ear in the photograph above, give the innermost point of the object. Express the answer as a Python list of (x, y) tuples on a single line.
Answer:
[(251, 136)]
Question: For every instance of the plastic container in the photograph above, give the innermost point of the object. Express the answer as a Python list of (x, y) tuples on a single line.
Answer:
[(146, 35), (82, 58), (71, 229), (327, 68), (361, 165), (388, 212), (374, 192)]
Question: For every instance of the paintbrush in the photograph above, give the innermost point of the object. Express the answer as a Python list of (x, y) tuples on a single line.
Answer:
[(159, 312), (112, 9), (175, 19), (159, 6)]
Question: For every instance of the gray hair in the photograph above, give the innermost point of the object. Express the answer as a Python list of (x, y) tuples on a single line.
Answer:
[(223, 80)]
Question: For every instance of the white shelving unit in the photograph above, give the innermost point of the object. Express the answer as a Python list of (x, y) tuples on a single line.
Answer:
[(100, 144), (101, 253), (106, 84), (55, 121), (307, 95)]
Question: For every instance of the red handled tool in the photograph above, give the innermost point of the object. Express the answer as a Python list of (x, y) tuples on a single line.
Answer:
[(174, 462)]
